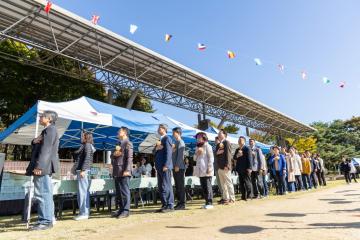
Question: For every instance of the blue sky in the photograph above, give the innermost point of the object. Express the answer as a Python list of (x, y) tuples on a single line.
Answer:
[(319, 36)]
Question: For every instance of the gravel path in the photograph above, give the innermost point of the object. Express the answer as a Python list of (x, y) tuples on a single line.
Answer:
[(328, 213)]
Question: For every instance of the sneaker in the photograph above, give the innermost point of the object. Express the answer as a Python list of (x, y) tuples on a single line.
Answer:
[(115, 213), (167, 210), (54, 221), (81, 217), (180, 207), (221, 201), (41, 227), (208, 206), (123, 215)]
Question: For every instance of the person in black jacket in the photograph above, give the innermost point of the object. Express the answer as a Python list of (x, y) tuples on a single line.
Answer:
[(345, 169), (85, 159), (122, 162), (46, 163), (243, 158), (223, 158)]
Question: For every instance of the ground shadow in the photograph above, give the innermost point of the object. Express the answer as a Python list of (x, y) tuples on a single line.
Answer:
[(241, 229), (279, 221), (286, 214), (340, 202), (345, 191), (181, 227), (352, 194), (336, 225), (332, 199), (346, 210)]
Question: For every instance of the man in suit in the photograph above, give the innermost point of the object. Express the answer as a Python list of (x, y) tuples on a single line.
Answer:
[(47, 163), (122, 162), (243, 158), (223, 158), (179, 168), (256, 173), (164, 166)]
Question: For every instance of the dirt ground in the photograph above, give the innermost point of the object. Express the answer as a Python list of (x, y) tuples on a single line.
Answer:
[(328, 213)]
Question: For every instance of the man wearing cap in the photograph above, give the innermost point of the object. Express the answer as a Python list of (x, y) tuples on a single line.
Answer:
[(164, 165), (46, 163), (179, 168)]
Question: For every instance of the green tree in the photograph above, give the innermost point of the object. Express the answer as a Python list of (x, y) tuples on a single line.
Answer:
[(337, 139), (141, 103), (231, 128), (22, 85)]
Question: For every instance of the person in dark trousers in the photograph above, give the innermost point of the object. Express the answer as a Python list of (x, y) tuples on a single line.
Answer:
[(164, 166), (243, 158), (322, 170), (204, 168), (256, 166), (314, 169), (122, 162), (85, 159), (179, 168), (46, 163), (345, 169), (278, 166)]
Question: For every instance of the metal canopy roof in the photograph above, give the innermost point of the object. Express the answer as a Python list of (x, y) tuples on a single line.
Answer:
[(121, 63)]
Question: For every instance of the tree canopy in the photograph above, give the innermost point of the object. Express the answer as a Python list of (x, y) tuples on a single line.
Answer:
[(22, 85)]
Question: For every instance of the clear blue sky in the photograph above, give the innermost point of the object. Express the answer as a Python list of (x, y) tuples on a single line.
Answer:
[(320, 36)]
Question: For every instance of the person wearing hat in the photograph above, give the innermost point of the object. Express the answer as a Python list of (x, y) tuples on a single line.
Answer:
[(45, 164), (164, 165)]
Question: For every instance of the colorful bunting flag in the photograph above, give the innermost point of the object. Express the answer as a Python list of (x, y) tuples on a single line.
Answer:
[(326, 80), (230, 54), (168, 37), (48, 7), (95, 19), (133, 28), (342, 84), (257, 61), (201, 46), (281, 68), (304, 75)]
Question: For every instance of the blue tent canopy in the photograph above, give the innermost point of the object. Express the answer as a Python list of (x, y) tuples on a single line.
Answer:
[(103, 120)]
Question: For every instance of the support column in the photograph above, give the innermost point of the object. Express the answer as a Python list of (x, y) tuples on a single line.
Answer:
[(221, 123), (132, 98)]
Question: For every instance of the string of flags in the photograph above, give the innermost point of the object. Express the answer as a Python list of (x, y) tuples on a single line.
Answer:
[(168, 37), (201, 47)]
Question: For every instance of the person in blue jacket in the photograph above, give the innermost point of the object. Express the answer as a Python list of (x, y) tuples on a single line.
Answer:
[(278, 166), (164, 165)]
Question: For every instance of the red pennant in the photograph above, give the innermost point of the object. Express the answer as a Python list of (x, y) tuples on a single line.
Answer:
[(48, 7), (95, 19)]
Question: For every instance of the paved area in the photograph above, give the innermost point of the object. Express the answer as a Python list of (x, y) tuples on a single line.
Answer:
[(328, 213)]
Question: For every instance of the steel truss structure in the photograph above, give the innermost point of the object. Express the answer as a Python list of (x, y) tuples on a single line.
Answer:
[(120, 63)]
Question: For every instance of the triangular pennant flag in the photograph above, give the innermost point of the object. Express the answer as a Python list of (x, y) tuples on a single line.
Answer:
[(326, 80), (281, 68), (342, 84), (257, 61), (304, 75), (168, 37), (201, 46), (133, 28), (48, 7), (230, 54), (95, 19)]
